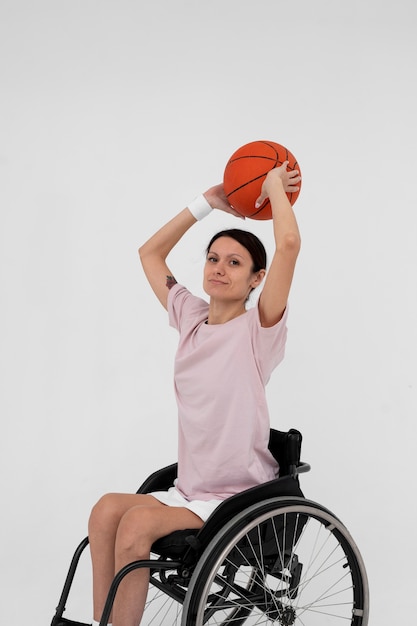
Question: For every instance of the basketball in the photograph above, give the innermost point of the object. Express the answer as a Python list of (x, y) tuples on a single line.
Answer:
[(246, 171)]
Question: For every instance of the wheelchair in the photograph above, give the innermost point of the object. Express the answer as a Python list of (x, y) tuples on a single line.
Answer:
[(265, 556)]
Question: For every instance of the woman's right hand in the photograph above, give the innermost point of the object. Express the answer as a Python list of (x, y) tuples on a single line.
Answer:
[(217, 199)]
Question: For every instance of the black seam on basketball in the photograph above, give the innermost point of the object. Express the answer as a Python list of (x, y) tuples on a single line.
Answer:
[(276, 152), (287, 156), (248, 182), (261, 208), (251, 156), (266, 143)]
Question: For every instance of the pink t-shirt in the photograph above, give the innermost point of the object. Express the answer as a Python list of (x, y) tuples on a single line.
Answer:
[(220, 375)]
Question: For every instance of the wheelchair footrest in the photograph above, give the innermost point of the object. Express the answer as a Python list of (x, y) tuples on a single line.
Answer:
[(63, 621)]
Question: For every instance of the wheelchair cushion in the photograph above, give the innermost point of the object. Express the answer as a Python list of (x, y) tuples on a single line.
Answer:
[(174, 545)]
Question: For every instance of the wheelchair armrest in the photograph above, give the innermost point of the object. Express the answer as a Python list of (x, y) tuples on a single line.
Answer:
[(161, 480), (302, 468)]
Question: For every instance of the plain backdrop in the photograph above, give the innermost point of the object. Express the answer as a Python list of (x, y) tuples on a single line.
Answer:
[(113, 115)]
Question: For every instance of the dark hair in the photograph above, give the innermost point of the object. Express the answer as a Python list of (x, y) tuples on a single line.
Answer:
[(248, 240)]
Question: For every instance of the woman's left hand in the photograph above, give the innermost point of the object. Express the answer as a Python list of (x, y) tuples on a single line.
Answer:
[(289, 179)]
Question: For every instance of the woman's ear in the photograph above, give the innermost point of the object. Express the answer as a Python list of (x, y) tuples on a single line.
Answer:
[(259, 276)]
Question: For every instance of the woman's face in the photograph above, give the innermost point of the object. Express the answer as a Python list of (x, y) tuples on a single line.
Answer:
[(228, 272)]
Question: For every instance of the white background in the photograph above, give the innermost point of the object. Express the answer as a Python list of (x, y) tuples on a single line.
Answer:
[(113, 115)]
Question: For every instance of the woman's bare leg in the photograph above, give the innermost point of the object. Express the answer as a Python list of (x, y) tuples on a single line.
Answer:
[(102, 529), (138, 529)]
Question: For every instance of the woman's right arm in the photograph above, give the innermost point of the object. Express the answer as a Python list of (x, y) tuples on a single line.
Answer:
[(154, 252)]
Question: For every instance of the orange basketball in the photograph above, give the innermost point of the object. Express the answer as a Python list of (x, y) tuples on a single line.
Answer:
[(246, 171)]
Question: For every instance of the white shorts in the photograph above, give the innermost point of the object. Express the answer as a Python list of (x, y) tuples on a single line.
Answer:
[(172, 497)]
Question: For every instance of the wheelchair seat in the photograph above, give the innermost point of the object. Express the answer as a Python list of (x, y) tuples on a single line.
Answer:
[(264, 556)]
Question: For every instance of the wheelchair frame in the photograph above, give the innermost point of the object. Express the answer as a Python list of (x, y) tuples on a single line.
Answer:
[(265, 556)]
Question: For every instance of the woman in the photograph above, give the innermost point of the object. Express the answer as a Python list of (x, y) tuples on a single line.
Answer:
[(224, 359)]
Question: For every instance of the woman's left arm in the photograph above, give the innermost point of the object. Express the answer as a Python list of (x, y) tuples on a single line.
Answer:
[(274, 296)]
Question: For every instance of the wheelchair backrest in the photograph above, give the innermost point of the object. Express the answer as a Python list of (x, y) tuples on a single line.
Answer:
[(286, 449)]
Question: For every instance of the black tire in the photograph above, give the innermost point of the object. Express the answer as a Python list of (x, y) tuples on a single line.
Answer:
[(285, 561)]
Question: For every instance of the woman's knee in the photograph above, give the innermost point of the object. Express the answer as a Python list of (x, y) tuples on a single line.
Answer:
[(136, 531), (104, 513)]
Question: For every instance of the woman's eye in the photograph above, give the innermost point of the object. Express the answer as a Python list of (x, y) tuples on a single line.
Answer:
[(213, 259)]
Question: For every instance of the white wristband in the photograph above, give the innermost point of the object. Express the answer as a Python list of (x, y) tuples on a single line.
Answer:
[(199, 207)]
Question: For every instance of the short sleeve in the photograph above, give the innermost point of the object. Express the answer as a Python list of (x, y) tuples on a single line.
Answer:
[(183, 307), (268, 343)]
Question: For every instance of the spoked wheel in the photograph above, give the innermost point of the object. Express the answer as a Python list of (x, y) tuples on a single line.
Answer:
[(286, 561)]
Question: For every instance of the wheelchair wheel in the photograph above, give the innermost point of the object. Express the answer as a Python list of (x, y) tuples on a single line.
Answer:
[(285, 561)]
